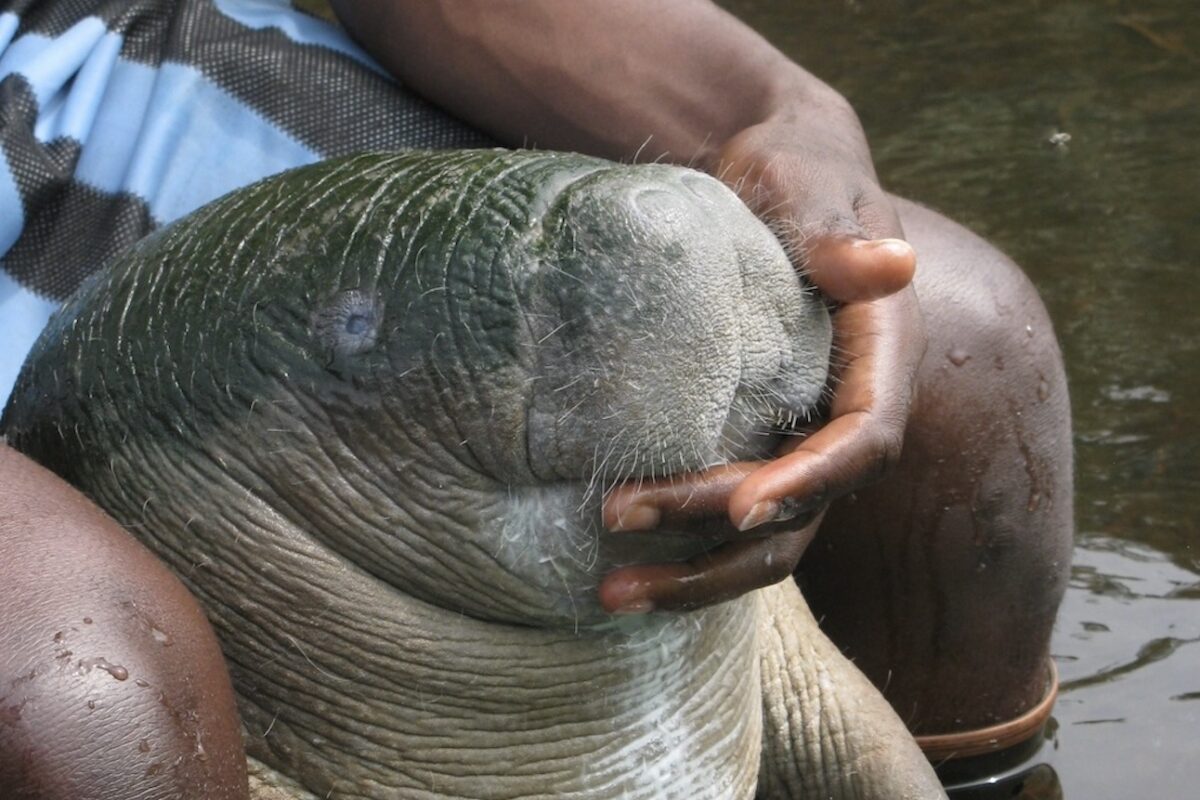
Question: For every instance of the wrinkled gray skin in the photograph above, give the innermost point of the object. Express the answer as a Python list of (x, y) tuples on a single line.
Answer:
[(367, 411)]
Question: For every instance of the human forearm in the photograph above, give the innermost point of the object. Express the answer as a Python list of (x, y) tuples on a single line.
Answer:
[(674, 78)]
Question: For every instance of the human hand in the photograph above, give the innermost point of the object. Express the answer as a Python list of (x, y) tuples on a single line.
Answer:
[(812, 179)]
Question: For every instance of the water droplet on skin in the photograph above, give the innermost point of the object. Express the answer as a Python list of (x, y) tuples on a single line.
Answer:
[(958, 356), (1043, 390), (91, 704), (161, 637), (116, 670), (87, 620)]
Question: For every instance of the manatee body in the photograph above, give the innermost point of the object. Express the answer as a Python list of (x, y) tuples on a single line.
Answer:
[(367, 411)]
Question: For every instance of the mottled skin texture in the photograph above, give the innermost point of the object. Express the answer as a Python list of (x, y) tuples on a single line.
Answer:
[(372, 438)]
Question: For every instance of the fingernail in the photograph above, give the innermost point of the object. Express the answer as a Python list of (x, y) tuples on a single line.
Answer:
[(896, 247), (635, 607), (637, 517), (761, 512)]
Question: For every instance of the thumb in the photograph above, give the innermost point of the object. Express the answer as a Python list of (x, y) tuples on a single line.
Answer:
[(850, 270), (852, 250)]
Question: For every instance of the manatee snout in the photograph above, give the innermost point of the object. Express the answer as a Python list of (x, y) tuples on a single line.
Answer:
[(672, 331)]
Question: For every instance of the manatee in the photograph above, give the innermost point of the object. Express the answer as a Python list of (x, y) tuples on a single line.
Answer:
[(367, 411)]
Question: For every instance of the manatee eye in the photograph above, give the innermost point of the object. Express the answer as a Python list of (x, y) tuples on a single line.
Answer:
[(348, 324), (357, 324)]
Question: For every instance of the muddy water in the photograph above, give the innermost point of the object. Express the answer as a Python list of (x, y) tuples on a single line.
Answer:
[(1069, 134)]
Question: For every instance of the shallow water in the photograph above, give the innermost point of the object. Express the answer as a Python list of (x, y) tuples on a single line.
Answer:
[(962, 101)]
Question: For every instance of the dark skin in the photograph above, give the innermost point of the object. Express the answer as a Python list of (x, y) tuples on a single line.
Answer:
[(942, 580), (110, 675)]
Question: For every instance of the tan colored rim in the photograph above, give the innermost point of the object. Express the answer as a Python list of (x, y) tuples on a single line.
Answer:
[(949, 746)]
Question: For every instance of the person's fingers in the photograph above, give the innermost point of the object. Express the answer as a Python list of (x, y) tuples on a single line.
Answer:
[(849, 452), (693, 504), (728, 571), (644, 506), (849, 248)]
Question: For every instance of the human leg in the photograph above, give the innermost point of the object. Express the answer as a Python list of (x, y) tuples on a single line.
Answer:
[(112, 684), (943, 580)]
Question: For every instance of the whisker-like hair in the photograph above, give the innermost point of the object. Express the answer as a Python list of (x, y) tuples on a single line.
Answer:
[(642, 147), (691, 162)]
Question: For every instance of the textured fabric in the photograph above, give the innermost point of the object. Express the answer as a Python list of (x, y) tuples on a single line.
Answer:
[(117, 116)]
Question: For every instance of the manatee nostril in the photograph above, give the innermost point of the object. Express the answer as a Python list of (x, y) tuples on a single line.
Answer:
[(348, 323), (704, 186), (660, 203)]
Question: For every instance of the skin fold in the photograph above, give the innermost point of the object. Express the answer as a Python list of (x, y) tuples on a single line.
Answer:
[(366, 440)]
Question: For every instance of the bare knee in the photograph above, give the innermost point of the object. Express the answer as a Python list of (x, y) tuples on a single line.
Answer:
[(992, 395), (944, 579), (111, 681)]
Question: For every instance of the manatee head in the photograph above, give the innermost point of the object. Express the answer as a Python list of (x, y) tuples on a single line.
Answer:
[(428, 365)]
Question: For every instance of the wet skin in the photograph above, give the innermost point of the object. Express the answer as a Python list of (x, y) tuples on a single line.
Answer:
[(942, 581), (110, 676)]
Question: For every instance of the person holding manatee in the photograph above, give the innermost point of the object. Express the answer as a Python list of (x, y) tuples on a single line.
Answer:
[(926, 515)]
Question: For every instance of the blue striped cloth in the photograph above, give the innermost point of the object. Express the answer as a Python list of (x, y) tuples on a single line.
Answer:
[(117, 116)]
